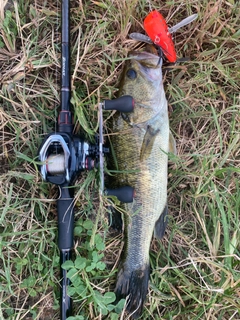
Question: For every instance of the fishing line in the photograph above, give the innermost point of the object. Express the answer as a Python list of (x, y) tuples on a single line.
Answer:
[(56, 64), (149, 5)]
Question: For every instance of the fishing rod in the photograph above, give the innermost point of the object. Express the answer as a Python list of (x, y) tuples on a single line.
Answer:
[(63, 155)]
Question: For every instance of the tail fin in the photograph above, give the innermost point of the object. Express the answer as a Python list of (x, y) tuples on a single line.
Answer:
[(133, 285)]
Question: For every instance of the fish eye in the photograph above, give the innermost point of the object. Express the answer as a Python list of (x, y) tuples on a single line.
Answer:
[(131, 74)]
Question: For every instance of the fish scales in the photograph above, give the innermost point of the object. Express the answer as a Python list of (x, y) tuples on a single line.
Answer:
[(141, 148), (150, 187)]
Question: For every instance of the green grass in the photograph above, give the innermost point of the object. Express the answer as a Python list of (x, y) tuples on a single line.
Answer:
[(196, 267)]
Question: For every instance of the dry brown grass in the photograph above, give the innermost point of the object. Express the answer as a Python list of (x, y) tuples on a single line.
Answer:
[(195, 269)]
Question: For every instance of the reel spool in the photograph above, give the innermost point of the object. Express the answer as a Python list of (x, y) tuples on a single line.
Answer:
[(55, 164)]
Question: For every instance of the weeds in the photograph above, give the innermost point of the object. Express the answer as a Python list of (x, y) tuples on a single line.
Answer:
[(86, 270)]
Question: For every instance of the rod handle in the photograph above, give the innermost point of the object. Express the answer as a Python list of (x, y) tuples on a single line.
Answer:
[(65, 206), (124, 194), (122, 104)]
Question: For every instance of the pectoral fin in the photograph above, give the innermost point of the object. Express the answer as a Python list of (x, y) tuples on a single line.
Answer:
[(172, 144), (115, 219), (161, 224), (148, 142)]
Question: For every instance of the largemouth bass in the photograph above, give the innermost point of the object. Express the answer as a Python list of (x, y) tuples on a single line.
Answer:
[(141, 148)]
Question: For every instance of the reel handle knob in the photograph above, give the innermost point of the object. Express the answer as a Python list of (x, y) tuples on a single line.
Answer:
[(124, 194), (122, 104)]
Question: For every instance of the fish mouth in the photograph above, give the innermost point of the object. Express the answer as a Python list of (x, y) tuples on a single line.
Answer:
[(149, 65), (147, 59)]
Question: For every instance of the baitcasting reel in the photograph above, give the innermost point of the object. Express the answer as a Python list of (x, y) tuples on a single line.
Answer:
[(63, 155)]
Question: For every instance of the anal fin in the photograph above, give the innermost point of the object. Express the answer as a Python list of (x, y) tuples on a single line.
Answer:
[(115, 219), (161, 224)]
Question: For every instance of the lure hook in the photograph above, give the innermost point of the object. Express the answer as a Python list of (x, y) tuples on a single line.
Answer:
[(159, 33)]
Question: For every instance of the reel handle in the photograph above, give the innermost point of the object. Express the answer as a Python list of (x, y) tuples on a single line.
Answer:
[(122, 104), (124, 194)]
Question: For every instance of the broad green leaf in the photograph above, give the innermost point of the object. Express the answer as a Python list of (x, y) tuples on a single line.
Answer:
[(68, 265)]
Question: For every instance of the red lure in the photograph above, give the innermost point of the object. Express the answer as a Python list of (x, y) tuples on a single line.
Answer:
[(157, 30)]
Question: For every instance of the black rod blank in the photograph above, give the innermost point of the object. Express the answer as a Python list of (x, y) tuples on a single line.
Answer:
[(65, 300), (65, 202), (65, 116), (65, 59)]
